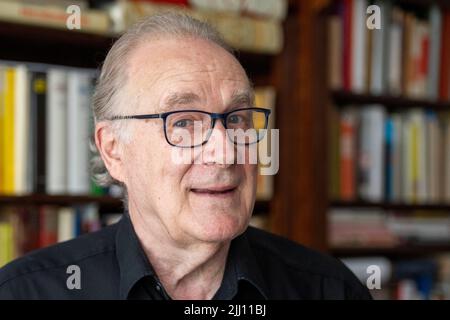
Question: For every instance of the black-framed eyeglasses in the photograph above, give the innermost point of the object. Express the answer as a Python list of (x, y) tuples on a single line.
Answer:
[(192, 128)]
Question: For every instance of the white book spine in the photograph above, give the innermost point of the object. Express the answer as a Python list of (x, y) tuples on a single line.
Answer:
[(79, 92), (372, 144), (378, 54), (66, 224), (56, 180), (359, 46)]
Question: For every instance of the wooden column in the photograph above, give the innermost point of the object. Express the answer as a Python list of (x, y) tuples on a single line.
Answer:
[(300, 203)]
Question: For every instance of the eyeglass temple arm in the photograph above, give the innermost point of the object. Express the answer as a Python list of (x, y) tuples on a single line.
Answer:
[(139, 116)]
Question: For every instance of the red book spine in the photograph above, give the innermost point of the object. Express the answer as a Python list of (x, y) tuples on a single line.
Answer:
[(347, 158), (445, 58)]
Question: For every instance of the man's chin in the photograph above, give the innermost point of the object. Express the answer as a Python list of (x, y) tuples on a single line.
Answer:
[(221, 229)]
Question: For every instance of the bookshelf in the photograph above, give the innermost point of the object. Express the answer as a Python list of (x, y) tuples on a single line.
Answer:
[(338, 99), (386, 222), (301, 200)]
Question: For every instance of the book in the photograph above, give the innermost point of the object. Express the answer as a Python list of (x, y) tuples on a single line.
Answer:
[(66, 224), (57, 123), (359, 46), (38, 128), (371, 160), (434, 58), (242, 32), (2, 128), (21, 127), (348, 152), (334, 50), (79, 91), (272, 9), (8, 131), (265, 98)]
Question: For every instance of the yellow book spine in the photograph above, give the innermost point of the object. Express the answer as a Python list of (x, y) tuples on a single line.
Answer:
[(8, 132), (2, 113), (3, 244), (6, 243)]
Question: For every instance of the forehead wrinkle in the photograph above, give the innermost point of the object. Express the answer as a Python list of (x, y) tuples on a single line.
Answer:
[(150, 79)]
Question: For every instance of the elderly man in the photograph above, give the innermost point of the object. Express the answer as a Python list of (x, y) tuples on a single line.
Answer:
[(169, 88)]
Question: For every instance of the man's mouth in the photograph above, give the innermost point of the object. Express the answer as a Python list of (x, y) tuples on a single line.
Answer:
[(214, 191)]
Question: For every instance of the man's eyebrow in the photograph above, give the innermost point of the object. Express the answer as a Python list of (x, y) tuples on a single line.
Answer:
[(185, 98), (243, 98), (179, 98)]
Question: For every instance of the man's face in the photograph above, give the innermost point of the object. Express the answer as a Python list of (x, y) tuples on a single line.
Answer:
[(208, 200)]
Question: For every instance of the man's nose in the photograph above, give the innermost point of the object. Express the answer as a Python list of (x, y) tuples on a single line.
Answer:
[(219, 149)]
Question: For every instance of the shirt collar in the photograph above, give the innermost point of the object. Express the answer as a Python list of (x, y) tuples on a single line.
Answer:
[(133, 263), (241, 266)]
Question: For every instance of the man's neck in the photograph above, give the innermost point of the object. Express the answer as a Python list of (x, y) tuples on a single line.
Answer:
[(187, 271)]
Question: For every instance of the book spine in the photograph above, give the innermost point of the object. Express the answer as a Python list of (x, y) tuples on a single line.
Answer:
[(38, 105), (56, 132), (21, 127), (8, 132), (348, 154), (78, 109)]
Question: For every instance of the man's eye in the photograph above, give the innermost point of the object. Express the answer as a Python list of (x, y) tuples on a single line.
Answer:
[(183, 123), (235, 119)]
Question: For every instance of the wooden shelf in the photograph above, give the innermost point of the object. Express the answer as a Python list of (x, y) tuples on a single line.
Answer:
[(342, 98), (390, 206), (401, 251), (53, 46), (40, 199), (423, 4), (73, 48), (261, 206)]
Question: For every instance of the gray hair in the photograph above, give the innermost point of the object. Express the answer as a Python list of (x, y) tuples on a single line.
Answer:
[(108, 95)]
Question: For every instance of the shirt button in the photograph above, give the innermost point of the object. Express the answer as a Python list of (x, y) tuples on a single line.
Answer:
[(158, 287)]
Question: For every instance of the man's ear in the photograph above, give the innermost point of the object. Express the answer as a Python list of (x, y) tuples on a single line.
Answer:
[(109, 148)]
